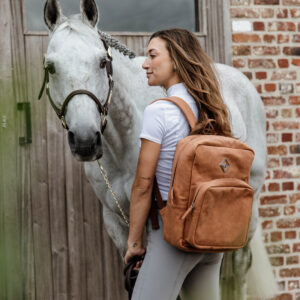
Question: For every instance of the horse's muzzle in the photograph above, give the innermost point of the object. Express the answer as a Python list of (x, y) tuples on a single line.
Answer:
[(87, 149)]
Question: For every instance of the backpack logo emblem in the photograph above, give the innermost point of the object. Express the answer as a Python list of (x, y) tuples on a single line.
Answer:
[(224, 165)]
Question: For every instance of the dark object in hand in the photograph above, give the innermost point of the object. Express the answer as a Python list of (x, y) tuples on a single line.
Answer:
[(131, 272)]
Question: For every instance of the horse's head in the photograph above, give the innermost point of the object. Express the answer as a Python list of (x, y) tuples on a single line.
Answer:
[(76, 60)]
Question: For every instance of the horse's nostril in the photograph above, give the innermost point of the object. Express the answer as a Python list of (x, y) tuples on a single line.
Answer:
[(98, 138), (71, 138)]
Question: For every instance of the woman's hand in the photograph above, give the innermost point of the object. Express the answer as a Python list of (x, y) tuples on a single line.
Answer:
[(134, 249)]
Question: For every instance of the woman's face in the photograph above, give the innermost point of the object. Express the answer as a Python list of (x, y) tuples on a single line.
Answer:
[(159, 65)]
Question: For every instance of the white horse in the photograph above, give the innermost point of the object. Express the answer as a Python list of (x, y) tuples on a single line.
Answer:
[(75, 59)]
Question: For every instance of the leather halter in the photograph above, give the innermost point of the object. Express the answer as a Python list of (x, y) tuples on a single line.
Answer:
[(103, 109)]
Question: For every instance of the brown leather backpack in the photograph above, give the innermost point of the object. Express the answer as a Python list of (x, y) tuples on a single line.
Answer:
[(209, 203)]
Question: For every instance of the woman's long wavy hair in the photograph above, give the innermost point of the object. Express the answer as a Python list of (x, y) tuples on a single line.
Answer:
[(195, 69)]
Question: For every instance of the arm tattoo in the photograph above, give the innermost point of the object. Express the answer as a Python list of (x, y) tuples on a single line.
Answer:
[(145, 178), (134, 245)]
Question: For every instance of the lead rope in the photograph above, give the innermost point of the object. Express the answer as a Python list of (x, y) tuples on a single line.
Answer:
[(104, 174)]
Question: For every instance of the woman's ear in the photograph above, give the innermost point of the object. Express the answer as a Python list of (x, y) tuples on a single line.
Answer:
[(52, 13), (89, 11)]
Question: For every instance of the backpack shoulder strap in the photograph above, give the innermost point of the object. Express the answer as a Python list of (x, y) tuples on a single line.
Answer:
[(184, 107)]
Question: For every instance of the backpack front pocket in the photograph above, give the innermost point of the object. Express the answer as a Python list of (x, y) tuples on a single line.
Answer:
[(219, 215)]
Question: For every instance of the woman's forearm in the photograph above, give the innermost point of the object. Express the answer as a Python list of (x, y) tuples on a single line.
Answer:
[(140, 204)]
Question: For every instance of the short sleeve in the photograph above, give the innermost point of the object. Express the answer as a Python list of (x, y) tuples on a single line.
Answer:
[(153, 127)]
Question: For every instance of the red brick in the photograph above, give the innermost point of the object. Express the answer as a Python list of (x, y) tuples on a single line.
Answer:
[(284, 75), (261, 63), (276, 236), (261, 75), (274, 199), (241, 50), (274, 187), (293, 285), (289, 210), (280, 174), (292, 260), (245, 38), (272, 138), (296, 247), (296, 38), (276, 261), (298, 112), (294, 100), (269, 38), (273, 249), (258, 26), (284, 297), (295, 13), (298, 133), (291, 51), (294, 198), (281, 26), (287, 161), (295, 149), (281, 125), (282, 13), (298, 161), (287, 137), (267, 224), (266, 2), (273, 100), (267, 13), (272, 113), (283, 38), (287, 186), (283, 63), (296, 61), (237, 12), (269, 212), (239, 63), (277, 150), (290, 234), (288, 223), (266, 50), (291, 2), (286, 112), (270, 87)]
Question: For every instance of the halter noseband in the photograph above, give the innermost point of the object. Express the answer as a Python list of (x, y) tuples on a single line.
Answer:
[(103, 109)]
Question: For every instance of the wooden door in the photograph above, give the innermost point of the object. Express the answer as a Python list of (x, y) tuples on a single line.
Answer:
[(53, 244)]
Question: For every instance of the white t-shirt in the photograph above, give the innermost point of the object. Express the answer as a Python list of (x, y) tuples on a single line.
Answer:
[(165, 124)]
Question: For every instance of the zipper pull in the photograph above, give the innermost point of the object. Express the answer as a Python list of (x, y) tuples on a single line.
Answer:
[(188, 211)]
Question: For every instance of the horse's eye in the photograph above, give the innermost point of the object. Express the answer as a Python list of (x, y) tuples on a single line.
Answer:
[(51, 67), (103, 63)]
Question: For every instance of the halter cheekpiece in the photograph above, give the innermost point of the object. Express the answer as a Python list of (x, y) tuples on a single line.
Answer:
[(103, 109)]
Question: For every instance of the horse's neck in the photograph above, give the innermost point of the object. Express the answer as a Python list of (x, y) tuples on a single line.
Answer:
[(125, 114)]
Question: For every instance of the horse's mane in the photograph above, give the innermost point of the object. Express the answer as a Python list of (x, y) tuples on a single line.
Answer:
[(74, 22), (114, 43)]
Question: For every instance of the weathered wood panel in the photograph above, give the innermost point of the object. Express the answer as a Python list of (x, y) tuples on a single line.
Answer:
[(14, 191), (39, 174)]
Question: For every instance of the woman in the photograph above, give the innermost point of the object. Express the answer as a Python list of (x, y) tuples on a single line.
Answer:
[(175, 61)]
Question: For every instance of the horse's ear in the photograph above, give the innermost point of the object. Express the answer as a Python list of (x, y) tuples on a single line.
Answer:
[(52, 13), (90, 11)]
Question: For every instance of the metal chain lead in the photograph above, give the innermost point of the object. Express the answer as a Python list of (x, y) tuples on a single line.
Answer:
[(104, 174)]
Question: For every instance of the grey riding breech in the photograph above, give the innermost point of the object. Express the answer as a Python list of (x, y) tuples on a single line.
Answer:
[(167, 271)]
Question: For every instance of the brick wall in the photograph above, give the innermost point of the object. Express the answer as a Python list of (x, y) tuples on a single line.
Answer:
[(266, 48)]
